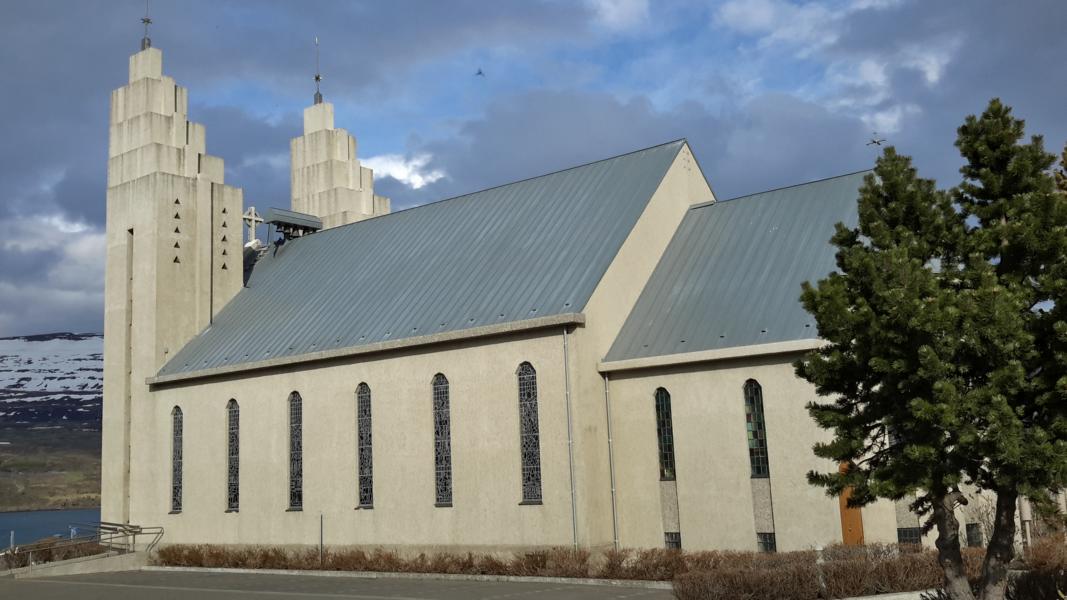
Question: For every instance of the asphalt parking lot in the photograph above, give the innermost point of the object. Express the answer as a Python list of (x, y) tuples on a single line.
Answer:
[(154, 585)]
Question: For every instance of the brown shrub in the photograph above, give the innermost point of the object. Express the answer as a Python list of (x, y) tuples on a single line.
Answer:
[(1047, 554), (268, 558), (529, 563), (615, 564), (491, 565), (792, 582)]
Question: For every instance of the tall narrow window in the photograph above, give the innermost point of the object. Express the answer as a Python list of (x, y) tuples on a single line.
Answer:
[(766, 542), (757, 430), (363, 441), (665, 434), (233, 455), (529, 434), (176, 460), (442, 441), (296, 452), (672, 540)]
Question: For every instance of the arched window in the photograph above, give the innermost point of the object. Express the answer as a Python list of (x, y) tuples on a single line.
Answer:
[(176, 460), (296, 452), (529, 434), (665, 434), (442, 441), (757, 429), (363, 442), (233, 455)]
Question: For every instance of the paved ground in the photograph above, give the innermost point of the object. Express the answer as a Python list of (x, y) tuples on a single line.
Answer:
[(136, 585)]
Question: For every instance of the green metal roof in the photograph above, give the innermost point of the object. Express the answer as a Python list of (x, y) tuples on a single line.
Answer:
[(731, 275), (525, 250)]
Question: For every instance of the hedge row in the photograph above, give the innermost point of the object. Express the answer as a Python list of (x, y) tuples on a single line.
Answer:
[(836, 572)]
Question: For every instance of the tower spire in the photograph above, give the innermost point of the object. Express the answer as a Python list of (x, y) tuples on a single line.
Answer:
[(146, 42), (318, 76)]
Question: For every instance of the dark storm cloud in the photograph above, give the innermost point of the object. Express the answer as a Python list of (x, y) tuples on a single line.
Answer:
[(773, 141), (247, 66)]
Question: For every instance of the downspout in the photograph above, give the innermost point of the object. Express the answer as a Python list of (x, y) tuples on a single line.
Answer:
[(570, 436), (611, 466)]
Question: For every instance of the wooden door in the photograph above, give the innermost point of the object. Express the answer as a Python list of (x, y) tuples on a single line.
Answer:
[(851, 518)]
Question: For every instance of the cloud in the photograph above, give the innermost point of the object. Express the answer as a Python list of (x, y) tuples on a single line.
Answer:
[(619, 14), (51, 275), (769, 93), (411, 171)]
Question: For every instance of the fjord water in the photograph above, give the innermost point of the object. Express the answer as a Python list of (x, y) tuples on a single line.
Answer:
[(34, 525)]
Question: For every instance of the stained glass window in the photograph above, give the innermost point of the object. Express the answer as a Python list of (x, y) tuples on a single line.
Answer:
[(757, 430), (176, 460), (765, 542), (233, 455), (672, 540), (909, 535), (442, 441), (530, 436), (296, 452), (363, 441), (665, 434)]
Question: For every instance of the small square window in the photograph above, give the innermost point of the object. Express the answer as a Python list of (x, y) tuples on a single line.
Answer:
[(765, 542), (974, 536), (672, 540), (909, 535)]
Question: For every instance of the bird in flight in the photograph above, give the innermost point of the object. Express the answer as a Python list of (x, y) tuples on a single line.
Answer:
[(480, 73), (875, 140)]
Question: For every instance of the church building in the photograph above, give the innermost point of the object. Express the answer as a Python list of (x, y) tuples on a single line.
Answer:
[(598, 357)]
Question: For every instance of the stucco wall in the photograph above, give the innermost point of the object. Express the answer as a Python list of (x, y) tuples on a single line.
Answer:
[(485, 452), (711, 454), (607, 309)]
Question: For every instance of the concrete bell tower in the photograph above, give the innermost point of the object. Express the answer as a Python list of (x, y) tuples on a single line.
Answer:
[(327, 179), (174, 259)]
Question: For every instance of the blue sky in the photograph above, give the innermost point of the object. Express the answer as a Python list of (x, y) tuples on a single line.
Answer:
[(768, 92)]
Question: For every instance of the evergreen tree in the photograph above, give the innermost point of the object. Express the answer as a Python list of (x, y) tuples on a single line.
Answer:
[(1021, 231), (891, 316), (947, 340)]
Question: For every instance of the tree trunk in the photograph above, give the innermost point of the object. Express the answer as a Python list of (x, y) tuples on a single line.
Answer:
[(1001, 548), (948, 546)]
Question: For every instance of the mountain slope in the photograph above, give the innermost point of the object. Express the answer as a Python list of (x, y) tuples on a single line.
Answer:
[(50, 407), (52, 379)]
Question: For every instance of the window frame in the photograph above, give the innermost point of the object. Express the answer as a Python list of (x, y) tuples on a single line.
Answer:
[(672, 540), (177, 425), (233, 456), (529, 435), (442, 431), (766, 542), (668, 470), (756, 431), (295, 406), (364, 447)]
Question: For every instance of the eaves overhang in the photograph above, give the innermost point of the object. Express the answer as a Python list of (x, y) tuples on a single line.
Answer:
[(708, 356), (560, 320)]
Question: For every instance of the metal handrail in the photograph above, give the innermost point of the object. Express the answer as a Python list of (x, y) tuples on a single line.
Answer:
[(116, 538)]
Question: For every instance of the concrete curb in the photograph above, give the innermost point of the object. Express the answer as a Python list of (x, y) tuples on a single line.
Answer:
[(624, 583), (893, 596)]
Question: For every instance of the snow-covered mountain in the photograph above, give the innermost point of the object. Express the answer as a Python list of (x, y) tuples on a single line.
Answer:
[(51, 379)]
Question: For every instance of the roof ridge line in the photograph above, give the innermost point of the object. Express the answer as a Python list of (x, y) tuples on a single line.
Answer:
[(778, 189), (550, 173)]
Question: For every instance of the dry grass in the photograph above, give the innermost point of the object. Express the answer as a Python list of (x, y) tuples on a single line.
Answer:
[(841, 572), (1047, 554)]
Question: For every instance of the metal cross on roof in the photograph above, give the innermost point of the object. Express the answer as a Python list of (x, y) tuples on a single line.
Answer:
[(318, 76), (146, 42)]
